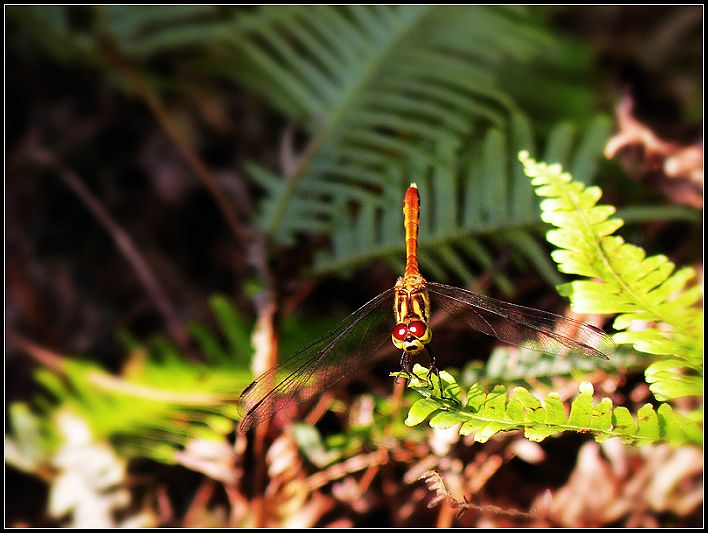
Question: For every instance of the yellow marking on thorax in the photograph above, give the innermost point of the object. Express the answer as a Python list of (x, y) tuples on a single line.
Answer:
[(411, 301)]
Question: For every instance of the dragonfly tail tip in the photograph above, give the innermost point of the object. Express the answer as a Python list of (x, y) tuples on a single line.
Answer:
[(413, 185)]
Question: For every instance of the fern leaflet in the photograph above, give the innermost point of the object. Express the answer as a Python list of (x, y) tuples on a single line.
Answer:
[(656, 307), (485, 414)]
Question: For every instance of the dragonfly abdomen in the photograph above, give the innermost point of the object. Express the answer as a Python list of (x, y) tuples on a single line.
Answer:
[(411, 214)]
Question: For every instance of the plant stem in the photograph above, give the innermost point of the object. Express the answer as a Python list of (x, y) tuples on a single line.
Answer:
[(168, 125), (124, 243), (44, 356)]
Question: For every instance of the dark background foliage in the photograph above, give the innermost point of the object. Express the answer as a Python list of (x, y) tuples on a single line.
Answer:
[(69, 287)]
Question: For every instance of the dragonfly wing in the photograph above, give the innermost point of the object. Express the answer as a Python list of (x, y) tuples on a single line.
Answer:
[(522, 326), (321, 364)]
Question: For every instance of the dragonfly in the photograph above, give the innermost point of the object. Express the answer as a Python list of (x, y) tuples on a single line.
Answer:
[(341, 352)]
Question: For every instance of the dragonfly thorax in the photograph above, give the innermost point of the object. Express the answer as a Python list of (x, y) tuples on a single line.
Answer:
[(412, 310)]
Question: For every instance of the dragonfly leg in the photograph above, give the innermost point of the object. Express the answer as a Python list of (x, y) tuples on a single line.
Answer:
[(433, 369), (406, 364)]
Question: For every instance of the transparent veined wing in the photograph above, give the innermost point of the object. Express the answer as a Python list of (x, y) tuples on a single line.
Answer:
[(521, 326), (320, 365)]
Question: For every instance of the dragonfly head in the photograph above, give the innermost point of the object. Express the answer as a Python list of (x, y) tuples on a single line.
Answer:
[(411, 335)]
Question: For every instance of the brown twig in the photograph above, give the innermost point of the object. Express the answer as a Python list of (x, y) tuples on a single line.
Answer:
[(446, 515), (198, 506), (346, 467), (164, 509), (367, 478), (238, 501), (42, 355), (123, 242), (169, 126), (319, 409), (266, 321), (266, 342), (436, 484)]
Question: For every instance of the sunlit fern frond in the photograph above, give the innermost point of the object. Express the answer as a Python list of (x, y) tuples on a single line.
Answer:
[(160, 401), (483, 414), (655, 303)]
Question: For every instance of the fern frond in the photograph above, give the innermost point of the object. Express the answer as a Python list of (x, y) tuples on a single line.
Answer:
[(485, 414), (472, 197), (405, 79), (373, 86), (648, 292), (161, 401), (526, 367), (152, 413), (49, 28)]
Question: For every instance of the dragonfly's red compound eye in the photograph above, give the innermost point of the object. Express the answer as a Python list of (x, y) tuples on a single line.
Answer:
[(400, 331), (417, 328)]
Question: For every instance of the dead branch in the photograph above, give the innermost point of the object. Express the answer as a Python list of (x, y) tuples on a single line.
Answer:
[(122, 240), (436, 484), (674, 169)]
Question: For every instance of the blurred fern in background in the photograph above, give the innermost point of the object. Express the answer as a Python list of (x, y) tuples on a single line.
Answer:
[(445, 95), (369, 98)]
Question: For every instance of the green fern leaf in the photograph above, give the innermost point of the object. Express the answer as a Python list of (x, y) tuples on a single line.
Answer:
[(637, 288), (405, 79), (421, 410), (160, 401), (508, 365), (458, 223), (486, 414)]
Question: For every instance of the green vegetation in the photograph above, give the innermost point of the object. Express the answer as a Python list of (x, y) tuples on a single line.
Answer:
[(260, 154)]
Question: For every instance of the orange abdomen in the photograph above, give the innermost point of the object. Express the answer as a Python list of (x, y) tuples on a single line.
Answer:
[(411, 213)]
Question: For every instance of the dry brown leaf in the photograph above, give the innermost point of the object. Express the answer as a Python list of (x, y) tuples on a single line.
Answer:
[(530, 452), (436, 484), (283, 457), (214, 459), (674, 169), (627, 484), (590, 497)]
